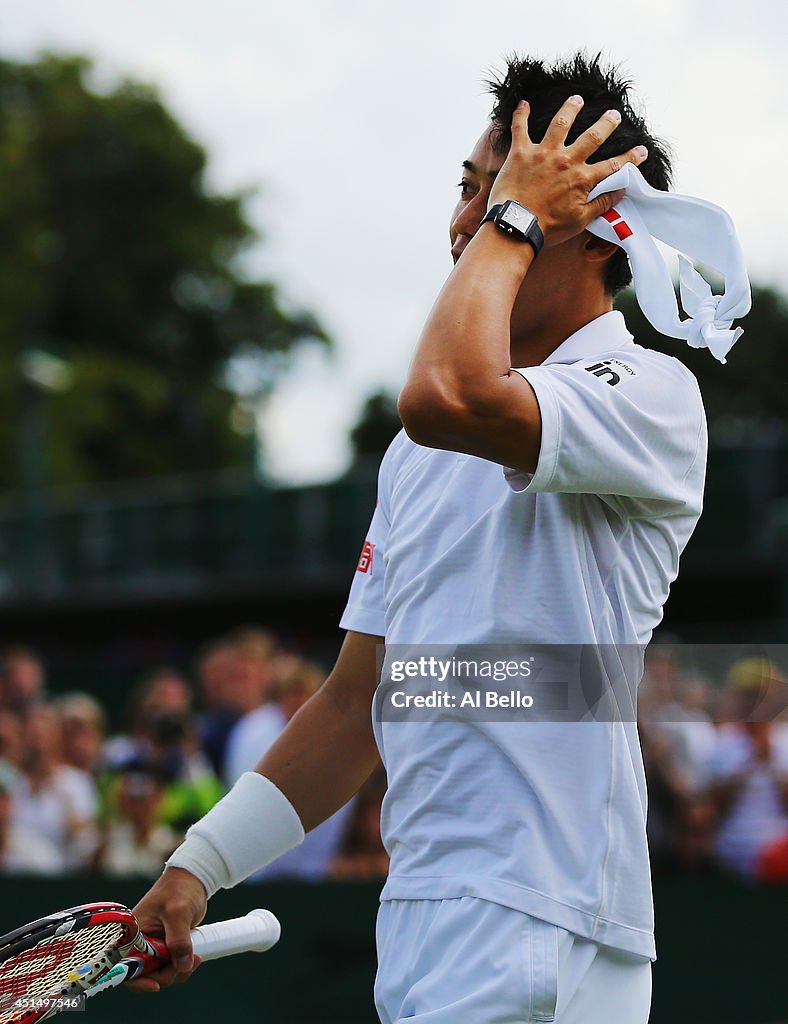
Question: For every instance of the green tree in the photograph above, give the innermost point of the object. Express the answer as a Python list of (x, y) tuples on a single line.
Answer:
[(376, 427), (750, 387), (115, 257)]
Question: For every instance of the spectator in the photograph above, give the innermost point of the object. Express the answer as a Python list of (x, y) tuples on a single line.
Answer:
[(773, 861), (55, 800), (689, 851), (84, 731), (217, 719), (22, 679), (295, 683), (212, 668), (677, 737), (234, 676), (174, 754), (686, 726), (134, 843), (22, 850), (755, 690), (748, 779), (363, 855), (162, 692), (164, 736), (747, 774), (11, 749), (250, 671), (157, 779)]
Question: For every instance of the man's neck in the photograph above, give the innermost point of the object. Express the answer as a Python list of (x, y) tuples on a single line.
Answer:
[(532, 342)]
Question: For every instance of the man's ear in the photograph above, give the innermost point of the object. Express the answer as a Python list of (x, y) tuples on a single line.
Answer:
[(597, 250)]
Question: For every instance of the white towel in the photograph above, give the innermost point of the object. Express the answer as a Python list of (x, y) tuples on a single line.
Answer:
[(697, 229)]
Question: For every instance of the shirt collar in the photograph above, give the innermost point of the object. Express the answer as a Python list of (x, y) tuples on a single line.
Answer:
[(605, 334)]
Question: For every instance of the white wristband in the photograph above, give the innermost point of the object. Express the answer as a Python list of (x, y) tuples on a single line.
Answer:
[(248, 828)]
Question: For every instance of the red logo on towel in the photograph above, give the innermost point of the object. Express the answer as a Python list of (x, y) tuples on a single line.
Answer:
[(365, 561), (618, 224)]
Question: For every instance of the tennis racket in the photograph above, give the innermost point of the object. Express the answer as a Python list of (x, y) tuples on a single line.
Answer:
[(48, 965)]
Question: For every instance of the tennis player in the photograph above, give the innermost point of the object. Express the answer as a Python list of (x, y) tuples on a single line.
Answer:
[(549, 475)]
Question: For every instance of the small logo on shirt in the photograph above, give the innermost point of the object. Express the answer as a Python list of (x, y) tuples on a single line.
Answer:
[(603, 370), (365, 561), (618, 224)]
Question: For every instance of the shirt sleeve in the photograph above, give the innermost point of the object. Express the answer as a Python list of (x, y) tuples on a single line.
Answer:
[(634, 429), (365, 611)]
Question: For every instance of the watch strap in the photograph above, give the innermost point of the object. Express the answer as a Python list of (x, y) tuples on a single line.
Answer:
[(533, 235)]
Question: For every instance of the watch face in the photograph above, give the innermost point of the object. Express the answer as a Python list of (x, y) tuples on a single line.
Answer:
[(517, 217)]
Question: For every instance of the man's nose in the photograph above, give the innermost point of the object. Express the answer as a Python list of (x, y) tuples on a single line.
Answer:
[(470, 215)]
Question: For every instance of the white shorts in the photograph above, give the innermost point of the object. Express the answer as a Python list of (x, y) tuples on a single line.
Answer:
[(468, 961)]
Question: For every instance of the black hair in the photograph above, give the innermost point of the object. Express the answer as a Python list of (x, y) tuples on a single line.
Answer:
[(547, 87)]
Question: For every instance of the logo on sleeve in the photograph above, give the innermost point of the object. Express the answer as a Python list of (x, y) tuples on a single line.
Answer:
[(365, 561), (604, 371)]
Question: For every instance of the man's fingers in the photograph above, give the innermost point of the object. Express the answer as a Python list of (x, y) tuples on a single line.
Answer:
[(162, 978), (177, 926), (173, 906), (143, 985), (558, 129), (605, 168), (588, 143), (520, 122), (180, 978), (602, 204)]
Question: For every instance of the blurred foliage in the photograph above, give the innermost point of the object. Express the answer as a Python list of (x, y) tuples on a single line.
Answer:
[(117, 259), (745, 396), (376, 428)]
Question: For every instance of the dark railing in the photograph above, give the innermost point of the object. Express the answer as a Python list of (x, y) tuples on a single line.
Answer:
[(183, 535)]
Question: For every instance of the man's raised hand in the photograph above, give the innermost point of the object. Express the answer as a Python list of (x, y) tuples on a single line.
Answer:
[(552, 179)]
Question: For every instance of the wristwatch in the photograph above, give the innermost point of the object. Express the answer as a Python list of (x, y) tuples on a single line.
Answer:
[(518, 222)]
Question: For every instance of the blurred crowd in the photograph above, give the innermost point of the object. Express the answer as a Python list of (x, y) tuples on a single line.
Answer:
[(77, 797), (716, 757)]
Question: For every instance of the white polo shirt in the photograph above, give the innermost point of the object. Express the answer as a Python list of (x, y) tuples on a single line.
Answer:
[(547, 818)]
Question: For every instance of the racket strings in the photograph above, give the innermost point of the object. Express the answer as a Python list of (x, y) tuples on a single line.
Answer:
[(50, 965)]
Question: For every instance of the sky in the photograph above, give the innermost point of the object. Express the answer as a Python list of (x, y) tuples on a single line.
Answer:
[(350, 120)]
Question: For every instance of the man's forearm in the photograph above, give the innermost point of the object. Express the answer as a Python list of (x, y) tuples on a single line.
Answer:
[(319, 761), (461, 393), (324, 755), (464, 349)]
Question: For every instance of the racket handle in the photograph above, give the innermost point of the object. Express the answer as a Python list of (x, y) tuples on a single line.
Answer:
[(256, 932)]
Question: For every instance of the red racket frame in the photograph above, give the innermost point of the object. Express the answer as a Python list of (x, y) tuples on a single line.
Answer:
[(147, 954)]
